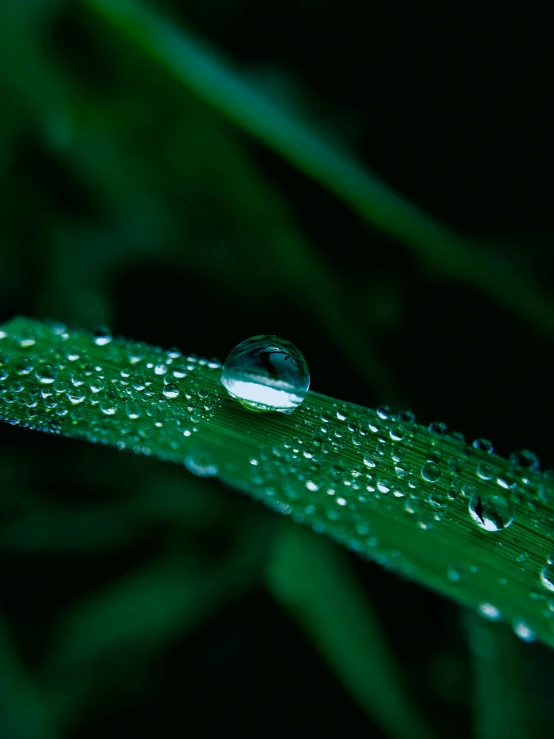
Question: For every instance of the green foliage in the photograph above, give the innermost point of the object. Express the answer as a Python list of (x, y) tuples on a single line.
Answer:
[(419, 501), (196, 173)]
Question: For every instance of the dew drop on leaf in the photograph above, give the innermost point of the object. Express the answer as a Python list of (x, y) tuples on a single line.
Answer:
[(483, 445), (523, 631), (547, 576), (490, 511), (46, 374), (430, 472), (101, 336), (200, 465), (487, 610), (266, 373), (524, 458)]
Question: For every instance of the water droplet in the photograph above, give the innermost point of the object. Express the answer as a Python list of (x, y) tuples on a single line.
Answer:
[(487, 610), (201, 465), (24, 366), (108, 407), (96, 384), (46, 374), (397, 432), (384, 412), (101, 336), (484, 445), (370, 461), (485, 471), (75, 396), (430, 472), (490, 511), (404, 416), (60, 386), (313, 486), (523, 631), (524, 458), (438, 427), (547, 577), (402, 469), (132, 409), (171, 391), (456, 465), (454, 574), (266, 373)]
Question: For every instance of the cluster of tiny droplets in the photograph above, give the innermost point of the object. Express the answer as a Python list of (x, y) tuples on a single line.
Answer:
[(63, 372), (339, 467)]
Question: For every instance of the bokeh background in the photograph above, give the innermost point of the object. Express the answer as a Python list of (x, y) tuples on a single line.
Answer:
[(134, 598)]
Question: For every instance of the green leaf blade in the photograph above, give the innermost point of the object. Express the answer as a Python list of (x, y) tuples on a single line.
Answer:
[(311, 465)]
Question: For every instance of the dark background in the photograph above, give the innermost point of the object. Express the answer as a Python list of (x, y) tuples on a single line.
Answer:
[(128, 201)]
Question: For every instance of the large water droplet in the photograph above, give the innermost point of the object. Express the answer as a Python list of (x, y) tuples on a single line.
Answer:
[(266, 373), (491, 511)]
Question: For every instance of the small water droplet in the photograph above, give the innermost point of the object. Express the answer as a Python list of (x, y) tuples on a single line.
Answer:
[(525, 459), (24, 366), (384, 412), (547, 577), (487, 610), (491, 511), (201, 465), (313, 486), (133, 409), (523, 631), (101, 336), (171, 391), (454, 574), (75, 396), (431, 472), (402, 469), (46, 374), (438, 427), (484, 445), (485, 471), (404, 416), (266, 373), (456, 465), (397, 432)]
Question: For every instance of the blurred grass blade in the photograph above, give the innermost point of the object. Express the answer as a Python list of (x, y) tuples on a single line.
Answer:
[(128, 185), (212, 78), (499, 700), (309, 577), (461, 520), (23, 713), (132, 620)]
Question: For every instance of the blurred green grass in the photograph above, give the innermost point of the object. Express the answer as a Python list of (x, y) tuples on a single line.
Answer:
[(129, 199)]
